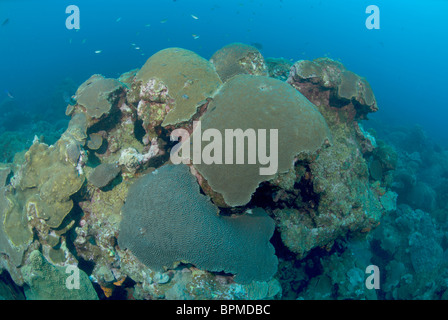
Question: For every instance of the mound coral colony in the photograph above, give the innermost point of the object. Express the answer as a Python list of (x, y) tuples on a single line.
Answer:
[(231, 153)]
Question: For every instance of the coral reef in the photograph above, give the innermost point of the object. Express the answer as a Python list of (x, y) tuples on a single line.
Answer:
[(48, 282), (102, 175), (95, 97), (15, 235), (347, 91), (248, 102), (238, 58), (166, 220), (410, 247), (278, 68), (104, 197), (178, 81), (50, 182)]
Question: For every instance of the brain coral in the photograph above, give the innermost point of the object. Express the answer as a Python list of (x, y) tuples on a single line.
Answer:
[(257, 102), (190, 79), (166, 220)]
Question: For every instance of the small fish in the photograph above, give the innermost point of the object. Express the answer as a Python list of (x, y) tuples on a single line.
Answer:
[(118, 20), (194, 17), (195, 36), (9, 94), (133, 44), (148, 25), (84, 41), (70, 41), (185, 97), (164, 21), (5, 22), (137, 48), (98, 51)]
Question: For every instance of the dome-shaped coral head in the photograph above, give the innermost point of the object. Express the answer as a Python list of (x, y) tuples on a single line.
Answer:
[(252, 131), (347, 90), (238, 58), (174, 82), (167, 220), (96, 98)]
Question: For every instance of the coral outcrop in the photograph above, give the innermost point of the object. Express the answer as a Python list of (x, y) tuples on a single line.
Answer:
[(102, 175), (248, 103), (278, 68), (347, 91), (337, 196), (238, 58), (48, 282), (105, 197), (96, 97), (166, 221), (175, 81)]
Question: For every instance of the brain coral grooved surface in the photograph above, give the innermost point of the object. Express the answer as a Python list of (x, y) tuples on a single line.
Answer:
[(166, 220), (257, 102)]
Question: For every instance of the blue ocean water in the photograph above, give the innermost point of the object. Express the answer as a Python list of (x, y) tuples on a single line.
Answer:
[(42, 63), (404, 61)]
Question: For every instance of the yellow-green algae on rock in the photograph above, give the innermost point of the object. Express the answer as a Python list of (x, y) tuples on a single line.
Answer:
[(257, 102), (190, 80), (4, 173), (40, 188), (50, 180), (15, 234), (46, 281)]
